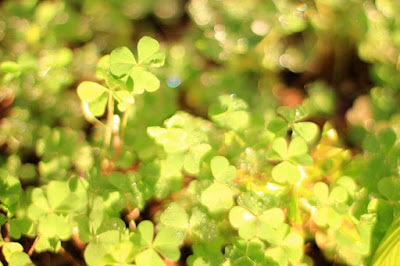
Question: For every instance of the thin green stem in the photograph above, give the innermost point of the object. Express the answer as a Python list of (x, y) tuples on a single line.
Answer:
[(110, 115), (123, 124)]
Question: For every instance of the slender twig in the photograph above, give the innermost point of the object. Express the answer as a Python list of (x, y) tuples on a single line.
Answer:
[(30, 252)]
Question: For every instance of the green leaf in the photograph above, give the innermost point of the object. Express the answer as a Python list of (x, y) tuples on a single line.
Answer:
[(202, 227), (194, 157), (94, 95), (146, 230), (94, 253), (48, 244), (20, 226), (121, 61), (102, 68), (245, 252), (280, 146), (156, 60), (321, 190), (221, 169), (147, 47), (10, 194), (307, 130), (231, 113), (122, 253), (124, 96), (208, 254), (57, 192), (173, 139), (39, 204), (338, 195), (291, 115), (167, 243), (297, 147), (293, 246), (143, 80), (19, 259), (175, 216), (217, 197), (11, 247), (149, 257), (89, 91), (278, 127), (10, 67), (273, 217), (238, 216), (54, 226), (320, 216), (3, 219), (277, 255), (286, 171), (390, 187)]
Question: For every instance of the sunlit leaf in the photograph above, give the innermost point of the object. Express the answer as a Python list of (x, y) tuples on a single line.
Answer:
[(144, 80), (286, 171), (221, 169), (147, 47), (217, 197), (307, 130), (121, 61)]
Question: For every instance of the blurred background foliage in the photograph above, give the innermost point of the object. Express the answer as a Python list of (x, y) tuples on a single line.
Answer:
[(340, 58)]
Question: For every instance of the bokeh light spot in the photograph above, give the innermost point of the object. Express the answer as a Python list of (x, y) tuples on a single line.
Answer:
[(173, 81)]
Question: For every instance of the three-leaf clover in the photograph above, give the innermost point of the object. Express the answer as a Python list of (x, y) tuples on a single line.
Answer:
[(231, 113), (292, 156), (269, 225), (182, 136), (139, 78), (307, 130), (166, 243)]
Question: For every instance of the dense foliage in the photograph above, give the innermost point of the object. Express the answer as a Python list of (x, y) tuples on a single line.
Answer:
[(239, 133)]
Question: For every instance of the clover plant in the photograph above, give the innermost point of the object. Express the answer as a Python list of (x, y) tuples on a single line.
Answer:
[(231, 162)]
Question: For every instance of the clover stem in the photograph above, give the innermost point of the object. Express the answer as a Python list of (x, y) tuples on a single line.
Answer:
[(123, 124), (110, 115), (30, 252)]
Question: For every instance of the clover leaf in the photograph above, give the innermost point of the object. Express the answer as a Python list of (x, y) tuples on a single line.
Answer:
[(111, 247), (123, 63), (286, 171), (175, 216), (269, 225), (166, 243), (221, 169), (201, 226), (148, 53), (182, 136), (94, 95), (217, 197), (295, 154), (194, 157), (231, 113), (327, 202), (10, 193), (293, 115), (246, 252), (208, 254), (291, 249), (390, 187), (307, 130)]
